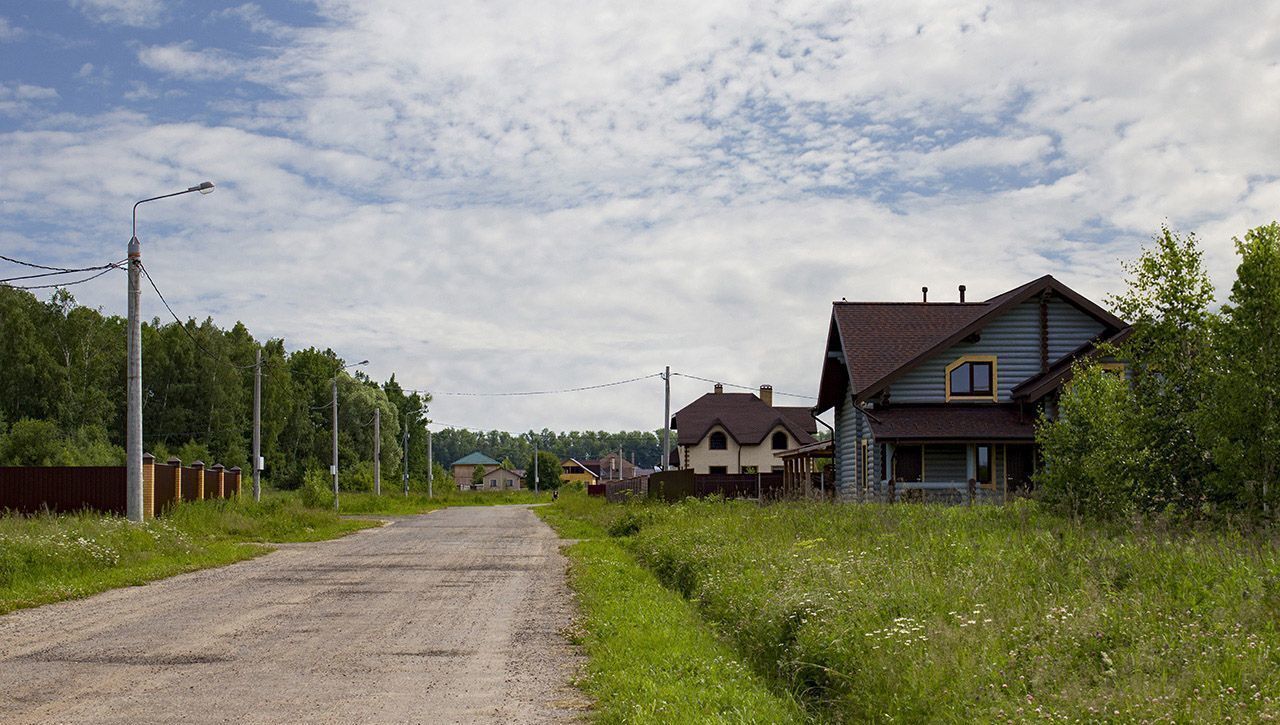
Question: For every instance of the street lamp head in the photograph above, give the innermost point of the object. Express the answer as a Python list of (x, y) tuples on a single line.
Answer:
[(363, 362), (205, 187)]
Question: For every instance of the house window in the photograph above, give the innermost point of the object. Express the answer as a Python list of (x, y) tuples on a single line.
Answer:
[(719, 441), (972, 377), (750, 469), (778, 469), (779, 441), (719, 470), (982, 460), (493, 483)]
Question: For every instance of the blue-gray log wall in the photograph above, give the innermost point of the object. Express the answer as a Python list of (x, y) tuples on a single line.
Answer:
[(946, 463), (1014, 338)]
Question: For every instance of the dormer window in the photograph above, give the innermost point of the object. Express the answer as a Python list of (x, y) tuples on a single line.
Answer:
[(719, 441), (779, 441), (972, 378)]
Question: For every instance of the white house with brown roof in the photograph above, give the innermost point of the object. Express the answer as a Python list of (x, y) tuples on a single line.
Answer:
[(738, 432)]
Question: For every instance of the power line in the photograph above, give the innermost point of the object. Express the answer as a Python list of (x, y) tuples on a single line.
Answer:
[(109, 265), (533, 392), (742, 387), (61, 284), (194, 341), (42, 266)]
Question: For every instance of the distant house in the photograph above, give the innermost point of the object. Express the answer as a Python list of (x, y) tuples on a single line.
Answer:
[(498, 478), (464, 468), (941, 393), (572, 470), (738, 432), (611, 466)]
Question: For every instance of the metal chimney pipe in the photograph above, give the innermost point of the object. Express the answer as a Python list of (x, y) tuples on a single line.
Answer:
[(962, 293), (924, 292)]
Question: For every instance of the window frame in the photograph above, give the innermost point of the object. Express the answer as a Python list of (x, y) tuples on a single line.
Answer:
[(991, 465), (993, 395), (773, 441), (723, 438)]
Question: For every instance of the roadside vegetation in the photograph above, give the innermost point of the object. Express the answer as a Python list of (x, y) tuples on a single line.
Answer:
[(651, 657), (49, 558), (953, 614)]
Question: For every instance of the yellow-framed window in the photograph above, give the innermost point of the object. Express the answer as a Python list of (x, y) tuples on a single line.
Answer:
[(973, 377)]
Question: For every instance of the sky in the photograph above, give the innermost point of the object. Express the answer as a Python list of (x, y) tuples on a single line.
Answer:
[(516, 196)]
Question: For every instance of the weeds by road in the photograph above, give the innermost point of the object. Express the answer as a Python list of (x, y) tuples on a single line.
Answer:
[(50, 558), (651, 658), (927, 614)]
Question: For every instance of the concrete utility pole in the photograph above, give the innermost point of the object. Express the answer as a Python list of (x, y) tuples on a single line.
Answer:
[(431, 465), (666, 422), (334, 467), (133, 382), (257, 428), (535, 466), (377, 451), (405, 468)]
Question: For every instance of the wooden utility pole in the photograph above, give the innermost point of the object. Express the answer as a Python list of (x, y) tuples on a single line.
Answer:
[(377, 451), (257, 428), (666, 423)]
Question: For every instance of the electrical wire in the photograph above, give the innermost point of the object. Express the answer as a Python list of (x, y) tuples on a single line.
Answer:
[(558, 391), (42, 266), (743, 387), (194, 341), (61, 284)]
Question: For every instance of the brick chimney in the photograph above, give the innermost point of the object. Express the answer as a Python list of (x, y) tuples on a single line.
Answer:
[(718, 389), (766, 395)]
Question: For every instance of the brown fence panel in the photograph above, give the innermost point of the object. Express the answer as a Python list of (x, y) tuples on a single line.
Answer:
[(191, 483), (166, 480), (29, 489), (674, 486), (615, 491)]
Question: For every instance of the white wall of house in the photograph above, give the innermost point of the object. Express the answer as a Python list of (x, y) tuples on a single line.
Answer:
[(736, 458)]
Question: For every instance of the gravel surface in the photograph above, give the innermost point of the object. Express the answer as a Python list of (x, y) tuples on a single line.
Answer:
[(454, 616)]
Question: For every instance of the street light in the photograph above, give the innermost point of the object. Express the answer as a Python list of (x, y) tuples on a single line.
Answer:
[(334, 468), (133, 427)]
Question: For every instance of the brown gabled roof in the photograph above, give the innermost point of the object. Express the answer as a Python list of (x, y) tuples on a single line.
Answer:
[(744, 417), (1063, 369), (878, 342), (950, 422)]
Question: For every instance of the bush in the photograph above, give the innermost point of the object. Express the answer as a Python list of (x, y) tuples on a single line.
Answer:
[(317, 489)]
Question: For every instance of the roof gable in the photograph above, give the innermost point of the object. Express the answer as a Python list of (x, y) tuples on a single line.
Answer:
[(880, 341), (475, 459), (743, 416)]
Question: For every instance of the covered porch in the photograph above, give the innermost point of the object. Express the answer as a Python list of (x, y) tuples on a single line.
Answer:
[(798, 475)]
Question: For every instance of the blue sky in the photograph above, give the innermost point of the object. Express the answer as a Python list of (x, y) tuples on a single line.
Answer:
[(530, 195)]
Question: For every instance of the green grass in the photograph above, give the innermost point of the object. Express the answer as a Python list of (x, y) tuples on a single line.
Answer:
[(952, 614), (650, 657), (396, 503), (50, 558)]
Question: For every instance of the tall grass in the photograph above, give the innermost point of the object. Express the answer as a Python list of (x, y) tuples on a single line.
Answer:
[(49, 558), (928, 614)]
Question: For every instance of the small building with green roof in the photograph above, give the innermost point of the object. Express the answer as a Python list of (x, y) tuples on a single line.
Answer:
[(464, 468)]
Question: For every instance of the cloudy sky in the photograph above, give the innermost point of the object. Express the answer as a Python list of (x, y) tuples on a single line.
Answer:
[(509, 196)]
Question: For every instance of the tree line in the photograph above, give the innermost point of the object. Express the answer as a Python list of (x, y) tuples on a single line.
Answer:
[(1193, 425), (453, 443)]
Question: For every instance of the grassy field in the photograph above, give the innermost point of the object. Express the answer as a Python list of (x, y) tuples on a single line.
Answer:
[(651, 657), (395, 503), (49, 558), (935, 614)]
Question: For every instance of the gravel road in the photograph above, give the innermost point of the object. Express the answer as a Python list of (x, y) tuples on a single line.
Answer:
[(455, 616)]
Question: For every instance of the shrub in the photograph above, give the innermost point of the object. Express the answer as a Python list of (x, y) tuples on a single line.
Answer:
[(317, 489)]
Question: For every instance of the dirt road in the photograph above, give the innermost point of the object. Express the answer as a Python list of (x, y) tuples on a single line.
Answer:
[(455, 616)]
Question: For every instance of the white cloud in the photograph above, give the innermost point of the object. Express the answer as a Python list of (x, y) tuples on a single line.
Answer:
[(179, 59), (8, 31), (133, 13), (541, 194)]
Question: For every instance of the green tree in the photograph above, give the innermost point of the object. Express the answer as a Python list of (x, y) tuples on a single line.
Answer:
[(477, 477), (548, 467), (1167, 302), (1093, 455), (1242, 421)]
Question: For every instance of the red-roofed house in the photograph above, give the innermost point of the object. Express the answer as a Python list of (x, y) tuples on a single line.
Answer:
[(938, 394), (739, 432)]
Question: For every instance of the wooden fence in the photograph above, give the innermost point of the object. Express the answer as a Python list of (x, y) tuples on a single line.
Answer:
[(674, 486), (31, 489)]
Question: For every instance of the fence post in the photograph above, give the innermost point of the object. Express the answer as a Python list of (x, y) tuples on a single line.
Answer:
[(148, 486), (235, 483), (176, 463), (199, 468), (218, 481), (973, 486), (892, 491)]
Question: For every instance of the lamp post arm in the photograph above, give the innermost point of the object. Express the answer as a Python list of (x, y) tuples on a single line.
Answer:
[(202, 187)]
